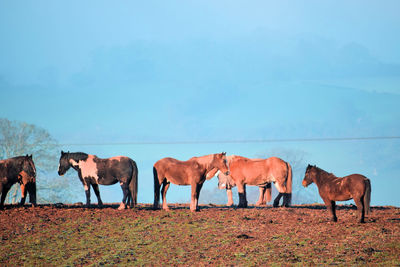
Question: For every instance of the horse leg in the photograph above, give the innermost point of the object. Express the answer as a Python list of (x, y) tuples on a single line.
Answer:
[(23, 195), (196, 198), (242, 196), (277, 199), (125, 192), (87, 192), (230, 197), (267, 193), (260, 200), (5, 188), (287, 198), (360, 208), (97, 192), (331, 206), (164, 190), (129, 201)]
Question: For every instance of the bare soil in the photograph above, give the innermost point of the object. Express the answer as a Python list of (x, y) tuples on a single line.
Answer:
[(53, 235)]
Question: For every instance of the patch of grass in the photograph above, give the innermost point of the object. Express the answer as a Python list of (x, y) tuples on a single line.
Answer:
[(179, 237)]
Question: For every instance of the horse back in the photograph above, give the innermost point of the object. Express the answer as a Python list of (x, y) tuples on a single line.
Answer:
[(258, 171), (177, 171), (355, 183), (344, 188), (8, 173), (116, 168)]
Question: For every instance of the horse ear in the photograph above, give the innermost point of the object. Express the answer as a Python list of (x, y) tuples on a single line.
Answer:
[(223, 153), (62, 153), (30, 156)]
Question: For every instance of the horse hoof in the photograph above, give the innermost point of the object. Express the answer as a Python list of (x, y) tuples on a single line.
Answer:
[(122, 207)]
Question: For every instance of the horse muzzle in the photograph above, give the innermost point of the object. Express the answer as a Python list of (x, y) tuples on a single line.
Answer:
[(227, 172)]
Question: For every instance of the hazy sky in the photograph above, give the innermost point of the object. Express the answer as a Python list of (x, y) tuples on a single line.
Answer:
[(169, 71)]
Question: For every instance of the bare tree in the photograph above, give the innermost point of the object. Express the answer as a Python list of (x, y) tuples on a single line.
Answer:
[(21, 138)]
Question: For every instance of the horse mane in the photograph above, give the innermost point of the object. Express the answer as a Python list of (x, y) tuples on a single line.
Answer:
[(203, 158), (78, 156), (17, 159), (323, 172)]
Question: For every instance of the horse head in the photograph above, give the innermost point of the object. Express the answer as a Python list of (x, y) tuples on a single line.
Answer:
[(28, 167), (64, 163), (225, 181), (309, 176), (219, 161)]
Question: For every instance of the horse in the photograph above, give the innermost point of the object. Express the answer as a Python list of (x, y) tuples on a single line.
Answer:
[(192, 172), (332, 188), (225, 182), (93, 171), (260, 172), (22, 170)]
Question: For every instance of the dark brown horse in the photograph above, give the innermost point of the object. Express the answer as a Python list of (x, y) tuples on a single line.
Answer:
[(261, 172), (332, 188), (93, 171), (192, 172), (18, 169)]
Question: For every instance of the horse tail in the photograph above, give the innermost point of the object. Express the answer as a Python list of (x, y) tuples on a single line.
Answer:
[(133, 185), (287, 198), (267, 194), (367, 196), (156, 189)]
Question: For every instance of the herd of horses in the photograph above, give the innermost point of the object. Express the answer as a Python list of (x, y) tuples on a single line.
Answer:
[(231, 171)]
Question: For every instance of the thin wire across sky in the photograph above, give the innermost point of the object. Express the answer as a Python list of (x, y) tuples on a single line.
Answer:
[(240, 141)]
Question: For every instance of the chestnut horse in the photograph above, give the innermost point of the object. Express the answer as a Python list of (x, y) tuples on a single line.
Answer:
[(93, 171), (18, 169), (192, 172), (226, 182), (332, 188), (260, 172)]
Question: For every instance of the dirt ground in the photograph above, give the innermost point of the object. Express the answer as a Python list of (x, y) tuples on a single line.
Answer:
[(53, 235)]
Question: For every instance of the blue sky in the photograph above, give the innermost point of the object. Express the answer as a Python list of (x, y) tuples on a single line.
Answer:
[(155, 71)]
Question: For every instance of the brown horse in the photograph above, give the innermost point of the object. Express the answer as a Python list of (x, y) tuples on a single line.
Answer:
[(332, 188), (192, 172), (261, 172), (226, 182), (18, 169)]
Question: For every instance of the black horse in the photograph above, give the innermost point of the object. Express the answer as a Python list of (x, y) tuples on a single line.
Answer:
[(18, 169), (93, 171)]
